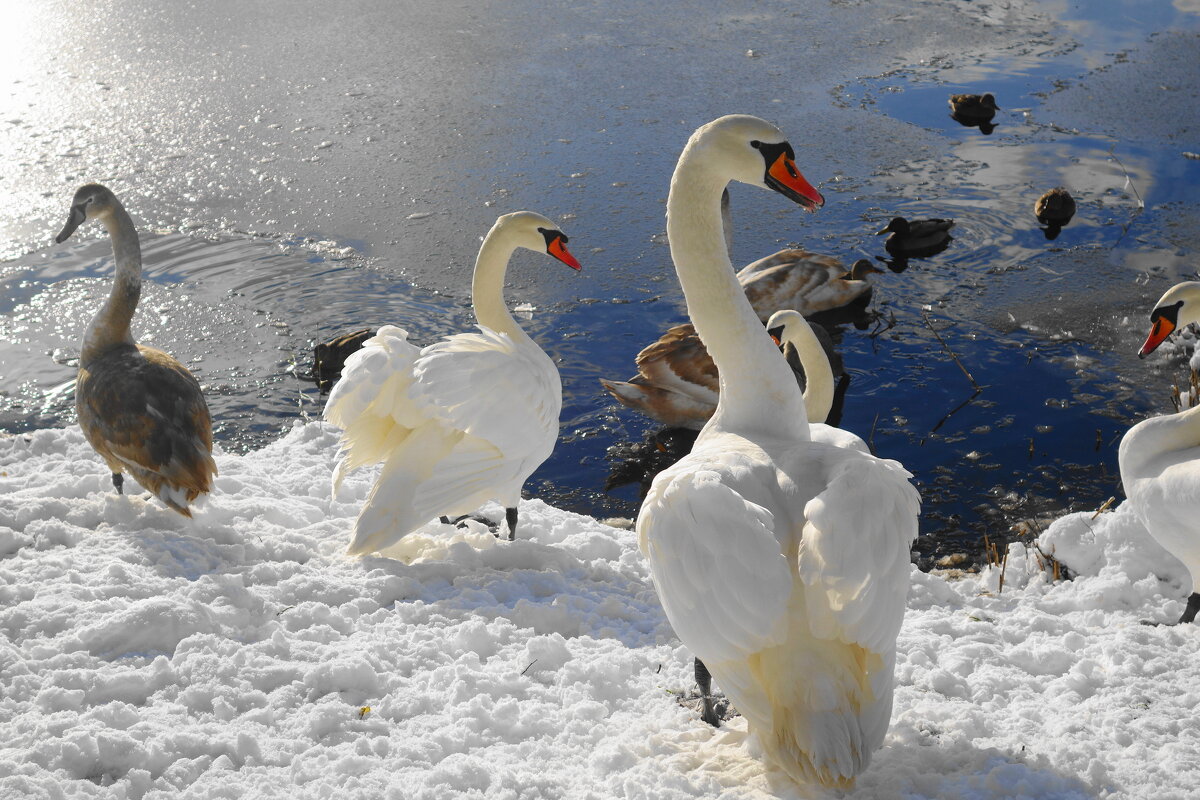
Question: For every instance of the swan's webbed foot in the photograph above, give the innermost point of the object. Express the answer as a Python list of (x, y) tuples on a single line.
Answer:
[(704, 681), (119, 481), (510, 516), (1193, 606)]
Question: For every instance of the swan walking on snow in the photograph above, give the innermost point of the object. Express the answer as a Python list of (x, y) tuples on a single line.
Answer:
[(1160, 457), (459, 422), (769, 563), (139, 408)]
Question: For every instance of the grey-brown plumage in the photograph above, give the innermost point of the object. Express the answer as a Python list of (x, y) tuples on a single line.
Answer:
[(139, 408), (973, 108), (1055, 207)]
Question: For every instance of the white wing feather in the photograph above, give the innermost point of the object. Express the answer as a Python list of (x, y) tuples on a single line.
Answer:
[(854, 555), (370, 401), (489, 386), (722, 577)]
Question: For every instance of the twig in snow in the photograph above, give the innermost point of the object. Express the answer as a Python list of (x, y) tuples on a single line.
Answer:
[(1104, 507), (531, 663)]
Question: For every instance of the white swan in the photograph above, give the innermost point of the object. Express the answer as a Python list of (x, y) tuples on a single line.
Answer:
[(799, 343), (770, 565), (139, 408), (1160, 457), (677, 381), (459, 422)]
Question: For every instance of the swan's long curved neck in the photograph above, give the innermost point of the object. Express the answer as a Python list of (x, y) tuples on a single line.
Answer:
[(818, 375), (1158, 436), (487, 284), (110, 326), (757, 387)]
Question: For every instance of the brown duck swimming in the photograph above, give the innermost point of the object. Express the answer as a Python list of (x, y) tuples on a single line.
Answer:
[(139, 408), (1055, 207), (973, 109)]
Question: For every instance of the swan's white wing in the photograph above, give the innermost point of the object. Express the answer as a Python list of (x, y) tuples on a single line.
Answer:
[(487, 385), (837, 437), (720, 571), (854, 554), (370, 401)]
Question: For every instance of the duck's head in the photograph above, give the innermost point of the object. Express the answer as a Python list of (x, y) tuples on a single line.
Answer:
[(898, 225), (989, 101), (1177, 308), (860, 269), (754, 151), (534, 232), (91, 201)]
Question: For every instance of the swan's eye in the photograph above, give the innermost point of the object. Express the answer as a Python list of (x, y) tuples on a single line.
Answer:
[(756, 144), (1171, 313), (550, 234)]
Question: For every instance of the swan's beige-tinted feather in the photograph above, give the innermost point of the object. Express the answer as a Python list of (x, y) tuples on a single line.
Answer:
[(797, 279)]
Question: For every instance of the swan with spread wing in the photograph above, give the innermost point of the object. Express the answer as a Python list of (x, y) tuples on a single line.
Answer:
[(460, 422)]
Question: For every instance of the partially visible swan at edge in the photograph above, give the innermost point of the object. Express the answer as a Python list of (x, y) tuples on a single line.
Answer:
[(1160, 456), (460, 422), (139, 408), (770, 565)]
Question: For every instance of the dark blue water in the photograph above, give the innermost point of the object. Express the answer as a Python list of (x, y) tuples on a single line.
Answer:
[(1046, 328)]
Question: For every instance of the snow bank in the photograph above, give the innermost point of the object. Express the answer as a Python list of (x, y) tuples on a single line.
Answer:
[(236, 655)]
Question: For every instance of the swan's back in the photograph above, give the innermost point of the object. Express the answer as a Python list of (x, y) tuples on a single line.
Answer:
[(787, 576), (143, 412), (801, 280)]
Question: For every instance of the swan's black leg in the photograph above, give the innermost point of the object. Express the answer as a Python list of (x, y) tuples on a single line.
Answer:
[(510, 514), (119, 481), (1193, 606), (704, 681)]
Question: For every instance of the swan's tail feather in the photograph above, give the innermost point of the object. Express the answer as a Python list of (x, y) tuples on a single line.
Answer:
[(666, 406), (470, 475), (391, 511)]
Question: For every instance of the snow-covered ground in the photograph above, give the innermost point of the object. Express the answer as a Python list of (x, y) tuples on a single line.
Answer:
[(241, 655)]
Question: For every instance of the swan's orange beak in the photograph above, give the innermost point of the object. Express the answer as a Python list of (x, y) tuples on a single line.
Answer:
[(783, 177), (1161, 330), (776, 335), (558, 249)]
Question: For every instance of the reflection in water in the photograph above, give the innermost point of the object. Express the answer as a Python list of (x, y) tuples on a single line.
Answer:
[(1019, 313)]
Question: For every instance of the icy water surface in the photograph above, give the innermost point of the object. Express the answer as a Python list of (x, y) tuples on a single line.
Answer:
[(391, 185)]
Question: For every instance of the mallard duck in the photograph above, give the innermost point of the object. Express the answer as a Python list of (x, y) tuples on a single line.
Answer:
[(139, 408), (918, 237), (1055, 207), (329, 357), (973, 108)]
